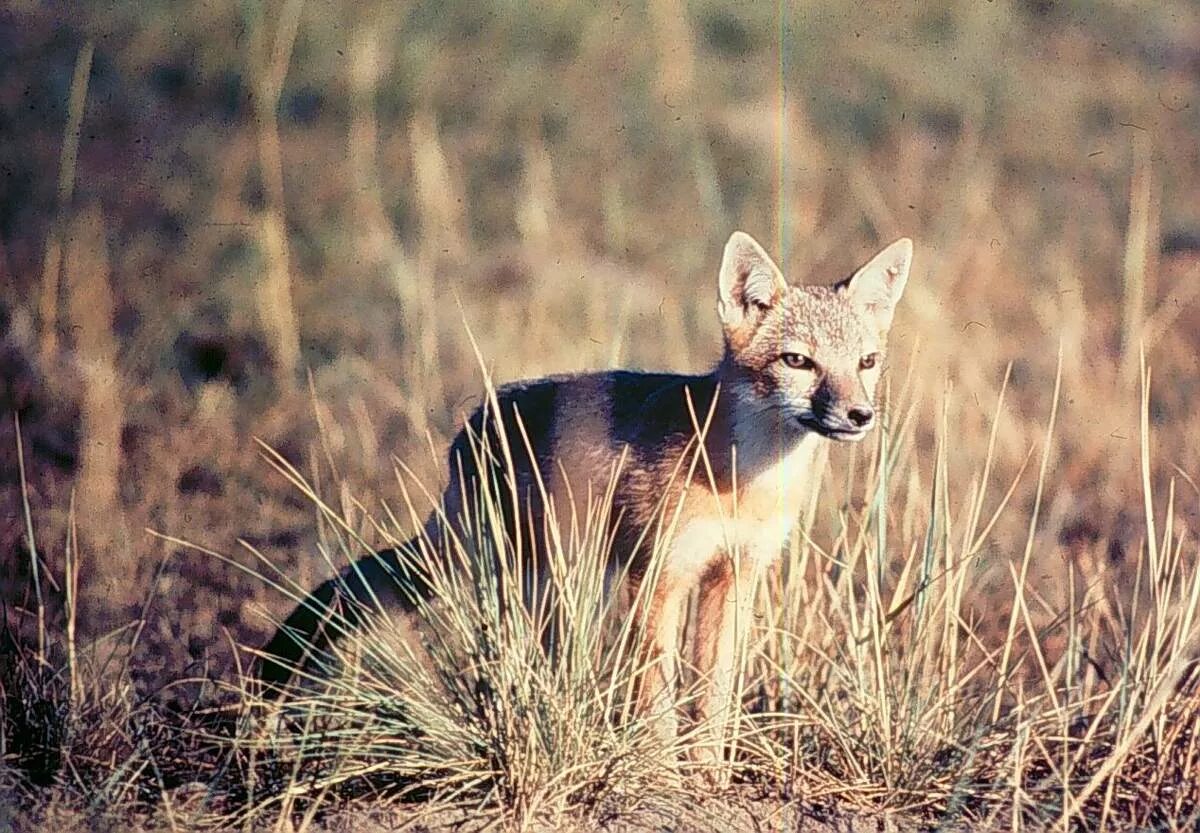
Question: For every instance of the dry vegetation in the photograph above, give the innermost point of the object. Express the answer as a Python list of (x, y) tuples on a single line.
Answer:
[(268, 226)]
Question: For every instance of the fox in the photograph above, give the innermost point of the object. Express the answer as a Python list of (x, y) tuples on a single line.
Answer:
[(799, 368)]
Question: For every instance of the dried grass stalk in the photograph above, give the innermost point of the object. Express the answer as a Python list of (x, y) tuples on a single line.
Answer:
[(52, 260), (90, 307), (441, 202)]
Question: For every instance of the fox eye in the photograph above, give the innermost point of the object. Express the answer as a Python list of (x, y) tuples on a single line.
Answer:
[(868, 361), (796, 361)]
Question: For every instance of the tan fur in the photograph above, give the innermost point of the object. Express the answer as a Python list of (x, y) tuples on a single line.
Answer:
[(715, 467)]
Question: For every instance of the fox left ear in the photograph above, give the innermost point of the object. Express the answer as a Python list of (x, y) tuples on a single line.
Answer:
[(749, 284), (876, 288)]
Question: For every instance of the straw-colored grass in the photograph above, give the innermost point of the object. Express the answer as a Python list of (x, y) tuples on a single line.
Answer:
[(272, 41), (90, 311), (52, 259), (870, 683)]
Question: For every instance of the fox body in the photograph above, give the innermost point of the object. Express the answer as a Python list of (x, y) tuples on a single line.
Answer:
[(717, 463)]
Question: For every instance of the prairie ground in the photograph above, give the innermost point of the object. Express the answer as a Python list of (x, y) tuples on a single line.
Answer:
[(245, 248)]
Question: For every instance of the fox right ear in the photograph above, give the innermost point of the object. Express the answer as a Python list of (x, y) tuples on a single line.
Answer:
[(875, 289), (750, 282)]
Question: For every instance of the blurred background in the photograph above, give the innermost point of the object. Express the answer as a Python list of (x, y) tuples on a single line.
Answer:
[(238, 222)]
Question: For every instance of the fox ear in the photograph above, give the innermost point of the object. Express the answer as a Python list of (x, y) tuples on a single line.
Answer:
[(875, 289), (750, 281)]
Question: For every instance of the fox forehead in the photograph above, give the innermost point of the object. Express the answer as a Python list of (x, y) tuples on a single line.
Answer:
[(814, 320)]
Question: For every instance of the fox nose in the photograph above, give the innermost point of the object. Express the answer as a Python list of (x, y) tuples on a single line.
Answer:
[(860, 416)]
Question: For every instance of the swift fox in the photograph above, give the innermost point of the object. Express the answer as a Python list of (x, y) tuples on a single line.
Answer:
[(800, 367)]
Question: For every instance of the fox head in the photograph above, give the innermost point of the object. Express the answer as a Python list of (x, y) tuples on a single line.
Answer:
[(808, 356)]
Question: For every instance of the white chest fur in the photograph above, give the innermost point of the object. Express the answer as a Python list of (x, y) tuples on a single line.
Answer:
[(756, 524)]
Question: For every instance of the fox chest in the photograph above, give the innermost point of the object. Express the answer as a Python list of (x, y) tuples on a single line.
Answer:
[(702, 540), (755, 526)]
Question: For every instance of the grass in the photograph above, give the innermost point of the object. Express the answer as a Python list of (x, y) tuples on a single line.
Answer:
[(479, 710), (987, 619), (871, 684)]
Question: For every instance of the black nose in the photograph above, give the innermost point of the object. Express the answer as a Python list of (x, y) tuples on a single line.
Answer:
[(860, 417)]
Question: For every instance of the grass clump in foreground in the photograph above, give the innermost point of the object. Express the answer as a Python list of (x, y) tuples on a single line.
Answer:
[(505, 691), (874, 683), (879, 682)]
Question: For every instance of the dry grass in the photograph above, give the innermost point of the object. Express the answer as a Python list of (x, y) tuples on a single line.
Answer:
[(90, 312), (989, 620)]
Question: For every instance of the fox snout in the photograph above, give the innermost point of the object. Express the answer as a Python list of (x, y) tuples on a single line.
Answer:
[(861, 416), (840, 414)]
